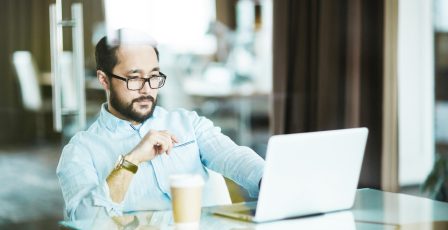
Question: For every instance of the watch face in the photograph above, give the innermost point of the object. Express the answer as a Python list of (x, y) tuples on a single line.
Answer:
[(124, 164), (119, 162)]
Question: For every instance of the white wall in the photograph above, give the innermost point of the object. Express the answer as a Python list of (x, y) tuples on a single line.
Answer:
[(415, 90)]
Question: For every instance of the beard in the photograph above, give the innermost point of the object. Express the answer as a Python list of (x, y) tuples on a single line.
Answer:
[(128, 110)]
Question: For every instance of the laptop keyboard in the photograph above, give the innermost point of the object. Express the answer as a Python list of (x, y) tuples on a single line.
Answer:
[(250, 212)]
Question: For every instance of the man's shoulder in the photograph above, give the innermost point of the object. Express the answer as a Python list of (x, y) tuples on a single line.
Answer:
[(87, 135), (81, 138), (82, 142)]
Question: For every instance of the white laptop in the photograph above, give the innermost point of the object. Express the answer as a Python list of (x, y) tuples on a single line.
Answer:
[(306, 174)]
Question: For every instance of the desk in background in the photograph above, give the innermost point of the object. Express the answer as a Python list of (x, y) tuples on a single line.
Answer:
[(373, 209)]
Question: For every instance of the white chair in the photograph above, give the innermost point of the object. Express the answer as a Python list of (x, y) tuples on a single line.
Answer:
[(28, 75), (217, 190), (28, 78)]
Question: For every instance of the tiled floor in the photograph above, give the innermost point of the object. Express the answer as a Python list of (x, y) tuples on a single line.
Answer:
[(30, 196)]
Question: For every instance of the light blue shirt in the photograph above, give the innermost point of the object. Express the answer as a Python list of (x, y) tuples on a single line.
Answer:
[(90, 156)]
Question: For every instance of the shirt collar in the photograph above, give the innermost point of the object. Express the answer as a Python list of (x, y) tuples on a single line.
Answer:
[(112, 122)]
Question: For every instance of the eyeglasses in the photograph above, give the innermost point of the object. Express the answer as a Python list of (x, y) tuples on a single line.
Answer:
[(137, 83)]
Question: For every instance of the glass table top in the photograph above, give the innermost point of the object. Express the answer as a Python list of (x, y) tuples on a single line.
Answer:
[(373, 209)]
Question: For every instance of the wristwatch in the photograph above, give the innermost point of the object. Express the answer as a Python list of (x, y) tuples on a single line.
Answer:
[(125, 164)]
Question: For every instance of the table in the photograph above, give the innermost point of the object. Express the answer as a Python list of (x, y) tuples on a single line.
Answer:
[(373, 209)]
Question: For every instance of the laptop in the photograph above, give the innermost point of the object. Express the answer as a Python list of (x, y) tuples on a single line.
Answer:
[(305, 174)]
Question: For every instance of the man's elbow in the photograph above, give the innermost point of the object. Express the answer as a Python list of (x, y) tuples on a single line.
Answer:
[(85, 211)]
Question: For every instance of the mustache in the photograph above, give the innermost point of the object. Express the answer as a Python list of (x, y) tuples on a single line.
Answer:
[(144, 98)]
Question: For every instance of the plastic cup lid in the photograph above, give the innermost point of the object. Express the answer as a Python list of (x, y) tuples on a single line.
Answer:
[(186, 180)]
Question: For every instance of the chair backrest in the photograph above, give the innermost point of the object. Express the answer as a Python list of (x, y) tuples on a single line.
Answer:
[(28, 73), (217, 188)]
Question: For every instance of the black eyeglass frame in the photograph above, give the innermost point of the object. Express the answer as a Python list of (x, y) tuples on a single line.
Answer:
[(144, 82)]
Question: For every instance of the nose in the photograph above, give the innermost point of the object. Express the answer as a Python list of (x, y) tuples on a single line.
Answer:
[(146, 88)]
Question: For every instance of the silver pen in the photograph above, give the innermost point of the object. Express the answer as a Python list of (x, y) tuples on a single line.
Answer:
[(183, 144)]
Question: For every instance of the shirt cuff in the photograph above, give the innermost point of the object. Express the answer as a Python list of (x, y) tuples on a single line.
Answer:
[(254, 179), (101, 197)]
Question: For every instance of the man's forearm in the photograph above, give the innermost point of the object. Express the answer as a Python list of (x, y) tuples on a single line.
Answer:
[(118, 182), (153, 143)]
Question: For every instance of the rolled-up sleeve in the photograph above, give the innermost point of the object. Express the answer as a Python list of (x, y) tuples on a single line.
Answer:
[(219, 153), (85, 195)]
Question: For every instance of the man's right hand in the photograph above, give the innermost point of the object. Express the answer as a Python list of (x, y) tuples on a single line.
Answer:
[(153, 143)]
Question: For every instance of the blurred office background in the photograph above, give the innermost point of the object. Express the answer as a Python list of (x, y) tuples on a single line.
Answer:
[(254, 67)]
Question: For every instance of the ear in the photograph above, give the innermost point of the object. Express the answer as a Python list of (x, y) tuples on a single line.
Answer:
[(103, 79)]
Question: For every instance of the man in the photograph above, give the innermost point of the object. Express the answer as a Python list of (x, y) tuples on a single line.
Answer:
[(123, 161)]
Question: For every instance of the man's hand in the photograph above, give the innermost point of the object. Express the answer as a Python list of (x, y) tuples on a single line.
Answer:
[(153, 143)]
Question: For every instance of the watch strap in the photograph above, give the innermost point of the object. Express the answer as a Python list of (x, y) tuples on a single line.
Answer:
[(125, 164)]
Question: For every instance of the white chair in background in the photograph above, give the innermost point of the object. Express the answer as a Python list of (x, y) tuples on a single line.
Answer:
[(28, 75), (217, 189), (28, 78)]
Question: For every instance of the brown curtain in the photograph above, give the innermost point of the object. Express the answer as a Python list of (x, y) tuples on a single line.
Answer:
[(328, 71)]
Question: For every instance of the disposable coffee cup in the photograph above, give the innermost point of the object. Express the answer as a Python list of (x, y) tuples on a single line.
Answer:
[(186, 193)]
